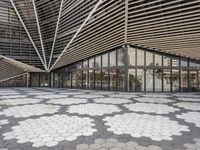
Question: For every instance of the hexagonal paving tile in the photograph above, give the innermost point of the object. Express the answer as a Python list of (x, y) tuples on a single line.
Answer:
[(191, 117), (189, 99), (156, 95), (195, 146), (155, 127), (108, 100), (151, 108), (51, 96), (93, 109), (20, 101), (188, 105), (67, 101), (48, 131), (120, 95), (2, 122), (154, 100), (88, 96), (13, 96), (30, 110)]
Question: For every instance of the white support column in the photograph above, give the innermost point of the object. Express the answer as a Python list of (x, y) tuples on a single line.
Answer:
[(16, 11), (56, 32), (39, 31), (80, 28)]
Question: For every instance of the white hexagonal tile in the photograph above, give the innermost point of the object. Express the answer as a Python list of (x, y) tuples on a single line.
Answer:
[(156, 95), (88, 96), (20, 101), (191, 117), (67, 101), (109, 100), (155, 127), (187, 99), (93, 109), (30, 130), (154, 100), (188, 105), (51, 96), (123, 95)]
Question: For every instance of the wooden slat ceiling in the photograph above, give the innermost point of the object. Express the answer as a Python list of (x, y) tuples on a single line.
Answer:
[(170, 26)]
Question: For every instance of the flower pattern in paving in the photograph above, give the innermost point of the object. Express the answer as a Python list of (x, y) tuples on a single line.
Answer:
[(188, 105), (20, 101), (112, 100), (154, 100), (93, 109), (151, 108), (2, 122), (51, 96), (189, 99), (114, 144), (30, 110), (88, 96), (195, 146), (155, 127), (48, 131), (191, 117), (67, 101)]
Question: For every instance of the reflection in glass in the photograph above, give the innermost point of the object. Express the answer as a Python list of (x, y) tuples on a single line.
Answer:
[(158, 60), (91, 62), (175, 80), (131, 80), (56, 80), (105, 79), (85, 79), (113, 58), (184, 63), (158, 80), (166, 61), (76, 79), (113, 79), (120, 57), (193, 81), (98, 61), (35, 80), (166, 80), (105, 60), (149, 80), (149, 59), (120, 79), (140, 80), (67, 79), (140, 57), (175, 61), (98, 79), (91, 79), (184, 80), (85, 64), (194, 64), (131, 56)]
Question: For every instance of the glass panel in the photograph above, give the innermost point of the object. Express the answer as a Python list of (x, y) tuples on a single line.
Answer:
[(166, 61), (158, 80), (85, 64), (85, 79), (120, 57), (184, 63), (149, 80), (149, 59), (175, 62), (35, 79), (105, 60), (166, 80), (91, 79), (140, 80), (98, 61), (113, 79), (184, 80), (97, 79), (131, 56), (175, 80), (121, 79), (56, 80), (44, 80), (194, 64), (113, 58), (67, 79), (140, 57), (105, 79), (131, 80), (91, 63), (78, 79), (158, 60), (193, 81), (74, 79)]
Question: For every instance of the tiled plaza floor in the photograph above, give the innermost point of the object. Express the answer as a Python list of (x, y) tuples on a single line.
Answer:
[(71, 119)]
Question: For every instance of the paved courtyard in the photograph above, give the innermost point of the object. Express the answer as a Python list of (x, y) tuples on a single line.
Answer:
[(72, 119)]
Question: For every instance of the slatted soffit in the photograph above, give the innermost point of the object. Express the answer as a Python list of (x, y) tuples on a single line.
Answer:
[(66, 31)]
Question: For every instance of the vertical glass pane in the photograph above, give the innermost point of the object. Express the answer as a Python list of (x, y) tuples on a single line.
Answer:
[(140, 80), (98, 61), (85, 79), (120, 57), (113, 79), (166, 80), (166, 61), (78, 79), (158, 60), (149, 80), (113, 58), (91, 63), (91, 79), (140, 57), (149, 59), (175, 80), (184, 63), (74, 79), (121, 79), (35, 79), (194, 64), (184, 80), (98, 79), (131, 80), (105, 79), (85, 64), (56, 80), (175, 62), (105, 60), (158, 80), (193, 81), (131, 56)]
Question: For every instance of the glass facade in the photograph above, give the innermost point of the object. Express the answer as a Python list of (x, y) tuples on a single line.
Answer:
[(130, 68)]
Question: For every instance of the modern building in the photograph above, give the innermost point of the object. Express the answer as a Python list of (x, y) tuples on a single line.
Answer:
[(118, 45)]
